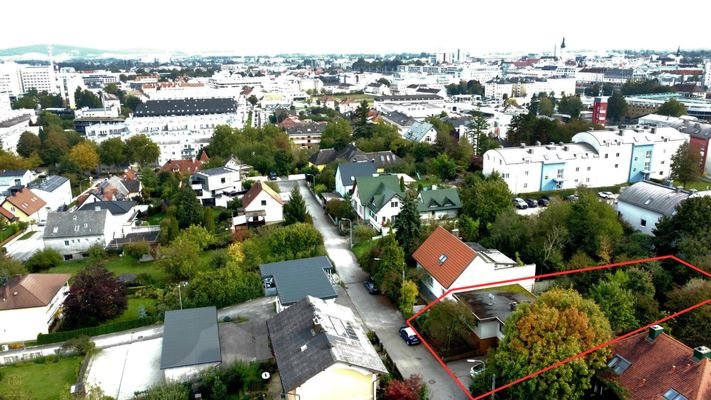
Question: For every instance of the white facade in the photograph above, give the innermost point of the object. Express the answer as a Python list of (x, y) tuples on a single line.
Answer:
[(26, 323), (178, 137), (182, 374), (272, 208), (12, 124), (340, 380), (594, 159), (69, 82), (67, 246), (10, 81), (57, 198), (38, 77), (640, 219)]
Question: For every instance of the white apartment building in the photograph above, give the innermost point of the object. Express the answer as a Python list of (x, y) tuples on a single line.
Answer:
[(10, 81), (707, 75), (593, 159), (526, 88), (13, 123), (39, 77)]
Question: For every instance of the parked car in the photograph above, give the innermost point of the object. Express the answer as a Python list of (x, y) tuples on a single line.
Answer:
[(408, 335), (371, 287), (531, 203), (606, 195), (272, 176), (544, 201), (520, 203), (476, 369), (572, 197)]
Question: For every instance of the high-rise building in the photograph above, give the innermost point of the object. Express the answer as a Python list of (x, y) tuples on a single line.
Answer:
[(707, 74), (599, 111), (38, 77)]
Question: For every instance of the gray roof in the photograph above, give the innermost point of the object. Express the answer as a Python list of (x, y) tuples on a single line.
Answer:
[(48, 184), (190, 338), (132, 185), (75, 224), (313, 335), (355, 169), (495, 303), (297, 279), (653, 197), (417, 131), (190, 106), (215, 171), (12, 172), (398, 118), (306, 128), (114, 207)]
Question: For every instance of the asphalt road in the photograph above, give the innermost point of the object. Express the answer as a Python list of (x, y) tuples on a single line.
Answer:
[(377, 312)]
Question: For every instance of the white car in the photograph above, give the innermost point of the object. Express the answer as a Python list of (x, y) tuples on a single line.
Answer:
[(605, 195), (477, 368), (520, 203)]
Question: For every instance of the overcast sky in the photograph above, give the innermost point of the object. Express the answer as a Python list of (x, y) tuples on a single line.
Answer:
[(367, 26)]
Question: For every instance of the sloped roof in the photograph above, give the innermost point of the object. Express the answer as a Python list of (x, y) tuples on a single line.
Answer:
[(182, 166), (296, 279), (32, 290), (114, 207), (49, 184), (302, 128), (257, 188), (418, 130), (75, 224), (132, 185), (396, 117), (376, 191), (439, 199), (190, 106), (653, 197), (351, 170), (663, 364), (12, 172), (352, 153), (190, 337), (28, 202), (442, 245), (303, 349), (7, 214)]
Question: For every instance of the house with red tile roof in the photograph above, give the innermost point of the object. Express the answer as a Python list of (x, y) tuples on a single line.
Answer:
[(26, 206), (449, 263), (29, 305), (652, 365)]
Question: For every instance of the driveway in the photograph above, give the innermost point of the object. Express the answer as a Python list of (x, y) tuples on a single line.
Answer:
[(21, 250), (377, 312)]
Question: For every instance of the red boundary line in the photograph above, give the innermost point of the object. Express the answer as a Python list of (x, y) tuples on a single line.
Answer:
[(581, 354)]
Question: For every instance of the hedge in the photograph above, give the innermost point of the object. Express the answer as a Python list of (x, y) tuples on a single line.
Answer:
[(93, 331)]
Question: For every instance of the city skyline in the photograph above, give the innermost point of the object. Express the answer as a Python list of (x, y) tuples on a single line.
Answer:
[(371, 27)]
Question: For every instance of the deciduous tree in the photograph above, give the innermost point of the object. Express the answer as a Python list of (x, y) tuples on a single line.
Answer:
[(408, 297), (188, 208), (616, 108), (337, 134), (142, 150), (28, 144), (96, 295), (617, 303), (113, 152), (673, 108), (686, 164), (85, 156)]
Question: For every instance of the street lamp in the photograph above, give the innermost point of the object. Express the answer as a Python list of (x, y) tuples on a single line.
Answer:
[(350, 232), (180, 295)]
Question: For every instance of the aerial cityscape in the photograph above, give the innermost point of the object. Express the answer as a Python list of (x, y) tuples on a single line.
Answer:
[(238, 201)]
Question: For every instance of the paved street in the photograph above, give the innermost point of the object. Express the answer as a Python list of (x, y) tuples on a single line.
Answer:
[(377, 312)]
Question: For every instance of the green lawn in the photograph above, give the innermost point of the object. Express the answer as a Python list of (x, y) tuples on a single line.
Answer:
[(26, 235), (363, 247), (155, 219), (8, 231), (699, 185), (41, 381), (132, 311), (117, 265)]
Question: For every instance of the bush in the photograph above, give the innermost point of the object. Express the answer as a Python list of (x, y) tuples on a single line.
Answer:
[(97, 252), (81, 344), (363, 233), (43, 260), (320, 188), (136, 250)]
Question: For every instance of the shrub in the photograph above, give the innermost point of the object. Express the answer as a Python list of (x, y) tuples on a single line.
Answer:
[(362, 233), (320, 188), (81, 344), (97, 252), (43, 260), (136, 250)]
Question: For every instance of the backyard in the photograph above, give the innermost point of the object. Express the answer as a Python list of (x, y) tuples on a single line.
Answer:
[(44, 380)]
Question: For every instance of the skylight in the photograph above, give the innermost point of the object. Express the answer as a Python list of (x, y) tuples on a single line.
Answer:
[(672, 394), (618, 364), (646, 202), (442, 258)]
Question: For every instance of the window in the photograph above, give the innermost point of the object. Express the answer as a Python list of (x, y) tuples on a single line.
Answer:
[(606, 155), (587, 180), (617, 165), (617, 155), (222, 180), (66, 243), (577, 169), (526, 173), (525, 185), (648, 154), (672, 394), (560, 174), (618, 364), (264, 202), (643, 222), (394, 204), (588, 168)]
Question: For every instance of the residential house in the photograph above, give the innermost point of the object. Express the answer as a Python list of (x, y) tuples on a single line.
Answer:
[(55, 190), (72, 233), (351, 153), (401, 121), (26, 206), (377, 199), (30, 304), (118, 188), (347, 172), (491, 308), (306, 135), (323, 353), (122, 213), (262, 204), (450, 264), (643, 204), (438, 203), (421, 132), (185, 167), (293, 280), (14, 177), (217, 186), (654, 365), (191, 343)]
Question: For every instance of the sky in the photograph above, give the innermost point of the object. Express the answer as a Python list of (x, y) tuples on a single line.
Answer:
[(356, 26)]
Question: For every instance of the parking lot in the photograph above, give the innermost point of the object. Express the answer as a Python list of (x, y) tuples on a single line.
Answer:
[(122, 370)]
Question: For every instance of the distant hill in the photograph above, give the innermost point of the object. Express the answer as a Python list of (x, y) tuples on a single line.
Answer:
[(73, 51)]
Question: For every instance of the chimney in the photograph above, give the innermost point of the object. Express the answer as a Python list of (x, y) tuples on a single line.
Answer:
[(654, 332), (523, 145), (700, 353), (513, 305), (97, 208)]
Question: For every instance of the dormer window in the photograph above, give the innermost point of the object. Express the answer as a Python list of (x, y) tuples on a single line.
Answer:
[(618, 364)]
